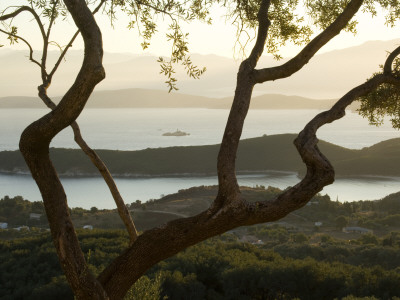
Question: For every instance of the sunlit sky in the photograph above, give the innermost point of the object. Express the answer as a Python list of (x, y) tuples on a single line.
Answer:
[(204, 39)]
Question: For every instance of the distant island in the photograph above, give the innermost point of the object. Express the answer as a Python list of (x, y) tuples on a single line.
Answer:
[(145, 98), (255, 155), (176, 133)]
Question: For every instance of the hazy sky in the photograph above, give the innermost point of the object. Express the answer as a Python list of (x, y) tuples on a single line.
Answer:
[(204, 39)]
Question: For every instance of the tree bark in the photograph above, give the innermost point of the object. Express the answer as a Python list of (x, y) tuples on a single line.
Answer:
[(229, 210), (34, 145), (160, 243), (101, 167)]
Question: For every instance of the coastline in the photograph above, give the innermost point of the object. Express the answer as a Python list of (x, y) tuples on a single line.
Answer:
[(262, 155), (274, 173)]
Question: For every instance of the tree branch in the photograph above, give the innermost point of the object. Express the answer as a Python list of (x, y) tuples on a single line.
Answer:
[(297, 62), (228, 186), (27, 43), (105, 173), (100, 165), (96, 160), (52, 19), (42, 30), (160, 243), (122, 210), (263, 25), (58, 62), (28, 9), (69, 45), (34, 145), (387, 68), (46, 43)]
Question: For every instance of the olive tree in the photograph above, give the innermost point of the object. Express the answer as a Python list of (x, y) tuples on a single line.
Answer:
[(275, 22)]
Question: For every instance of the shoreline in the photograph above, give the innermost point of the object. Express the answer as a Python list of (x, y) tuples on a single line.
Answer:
[(274, 173)]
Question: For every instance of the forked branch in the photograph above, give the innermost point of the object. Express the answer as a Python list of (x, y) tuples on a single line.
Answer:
[(301, 59), (230, 209), (101, 167), (34, 145), (30, 10), (28, 44), (160, 243), (47, 78)]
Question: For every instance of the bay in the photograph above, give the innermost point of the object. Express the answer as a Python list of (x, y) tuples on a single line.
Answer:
[(88, 192), (134, 129)]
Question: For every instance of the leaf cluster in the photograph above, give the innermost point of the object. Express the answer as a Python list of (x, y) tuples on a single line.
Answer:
[(286, 25), (49, 9), (383, 101), (390, 7), (295, 21), (180, 55), (144, 16), (324, 12)]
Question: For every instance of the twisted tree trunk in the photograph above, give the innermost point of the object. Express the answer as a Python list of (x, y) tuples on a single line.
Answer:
[(229, 209), (34, 145)]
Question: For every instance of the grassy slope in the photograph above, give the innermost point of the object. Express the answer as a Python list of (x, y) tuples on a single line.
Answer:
[(380, 159), (275, 152)]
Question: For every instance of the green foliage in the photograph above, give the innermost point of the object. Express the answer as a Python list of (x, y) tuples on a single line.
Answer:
[(369, 239), (146, 288), (181, 287), (94, 209), (300, 238), (223, 268), (144, 15), (179, 53), (29, 267), (288, 25), (215, 269), (383, 101), (341, 222), (324, 12), (15, 211), (391, 7), (285, 23), (275, 152), (233, 271)]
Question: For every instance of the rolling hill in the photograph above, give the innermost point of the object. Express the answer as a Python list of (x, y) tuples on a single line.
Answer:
[(328, 75), (143, 98), (266, 153)]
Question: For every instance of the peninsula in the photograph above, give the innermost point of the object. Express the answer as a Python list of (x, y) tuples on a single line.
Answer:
[(255, 155)]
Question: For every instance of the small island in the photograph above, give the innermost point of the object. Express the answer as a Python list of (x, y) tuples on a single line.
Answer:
[(176, 133)]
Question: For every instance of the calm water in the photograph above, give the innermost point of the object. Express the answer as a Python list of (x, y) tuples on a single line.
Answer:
[(132, 129), (88, 192)]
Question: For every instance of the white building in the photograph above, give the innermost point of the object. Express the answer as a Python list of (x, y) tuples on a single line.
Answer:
[(34, 216)]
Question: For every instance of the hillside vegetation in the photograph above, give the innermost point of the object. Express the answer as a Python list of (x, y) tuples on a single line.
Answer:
[(266, 153), (289, 259)]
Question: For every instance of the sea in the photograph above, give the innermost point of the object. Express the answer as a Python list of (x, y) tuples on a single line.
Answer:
[(135, 129)]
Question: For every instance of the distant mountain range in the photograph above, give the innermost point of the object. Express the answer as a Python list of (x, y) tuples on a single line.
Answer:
[(142, 98), (256, 155), (327, 76)]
